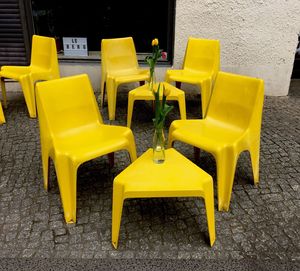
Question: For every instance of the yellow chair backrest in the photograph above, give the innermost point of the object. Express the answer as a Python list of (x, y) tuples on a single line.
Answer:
[(118, 54), (202, 55), (237, 100), (44, 55), (75, 107)]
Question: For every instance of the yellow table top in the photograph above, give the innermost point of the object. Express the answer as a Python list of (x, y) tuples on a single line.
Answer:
[(143, 92), (177, 173)]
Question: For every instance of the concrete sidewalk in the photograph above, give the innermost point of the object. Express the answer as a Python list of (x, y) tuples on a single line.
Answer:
[(262, 225)]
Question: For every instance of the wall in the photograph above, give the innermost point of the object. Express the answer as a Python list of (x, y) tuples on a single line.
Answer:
[(258, 37), (92, 69)]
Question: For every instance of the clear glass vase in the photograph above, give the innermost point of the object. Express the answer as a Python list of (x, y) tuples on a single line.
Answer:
[(158, 146)]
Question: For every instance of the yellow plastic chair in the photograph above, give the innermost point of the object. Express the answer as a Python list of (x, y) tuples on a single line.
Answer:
[(232, 125), (200, 66), (72, 132), (43, 66), (119, 65), (2, 118), (176, 177)]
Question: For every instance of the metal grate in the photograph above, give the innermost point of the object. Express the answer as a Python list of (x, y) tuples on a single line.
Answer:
[(14, 42)]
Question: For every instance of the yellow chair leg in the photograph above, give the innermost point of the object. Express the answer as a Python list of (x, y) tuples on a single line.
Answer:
[(115, 91), (131, 147), (171, 130), (67, 181), (4, 98), (196, 154), (130, 109), (226, 164), (210, 212), (102, 90), (116, 212), (111, 98), (182, 108), (28, 91), (254, 155), (2, 118), (111, 159), (205, 88), (45, 163), (178, 84)]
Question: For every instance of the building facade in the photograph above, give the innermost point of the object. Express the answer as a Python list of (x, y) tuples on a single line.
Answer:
[(258, 38)]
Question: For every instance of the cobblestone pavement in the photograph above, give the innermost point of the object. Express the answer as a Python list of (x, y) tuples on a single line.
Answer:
[(263, 222)]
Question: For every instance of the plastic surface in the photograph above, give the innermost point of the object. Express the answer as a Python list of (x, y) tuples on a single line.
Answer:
[(144, 93), (118, 65), (43, 66), (200, 67), (232, 125), (72, 133), (176, 177), (2, 118)]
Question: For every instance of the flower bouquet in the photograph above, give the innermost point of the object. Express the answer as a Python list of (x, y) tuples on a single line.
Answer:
[(160, 106)]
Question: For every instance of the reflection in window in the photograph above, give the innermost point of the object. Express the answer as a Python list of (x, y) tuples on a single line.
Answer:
[(96, 20)]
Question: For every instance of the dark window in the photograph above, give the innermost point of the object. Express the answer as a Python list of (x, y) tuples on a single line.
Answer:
[(95, 20)]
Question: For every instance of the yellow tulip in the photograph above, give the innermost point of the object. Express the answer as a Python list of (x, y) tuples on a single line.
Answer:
[(155, 42)]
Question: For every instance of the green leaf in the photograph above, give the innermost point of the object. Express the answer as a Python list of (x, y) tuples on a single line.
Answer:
[(167, 109)]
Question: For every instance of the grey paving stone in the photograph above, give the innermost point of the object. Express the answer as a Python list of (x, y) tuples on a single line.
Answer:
[(262, 223)]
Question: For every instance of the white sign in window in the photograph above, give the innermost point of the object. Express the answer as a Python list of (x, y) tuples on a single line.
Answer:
[(75, 46)]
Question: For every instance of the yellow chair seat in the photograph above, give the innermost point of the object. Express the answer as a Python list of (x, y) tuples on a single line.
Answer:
[(176, 177), (206, 133), (186, 76), (14, 72), (35, 72), (144, 93), (43, 66), (131, 74), (232, 125), (91, 141)]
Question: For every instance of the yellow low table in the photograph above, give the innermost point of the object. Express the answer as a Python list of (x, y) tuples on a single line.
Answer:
[(143, 93), (176, 177)]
